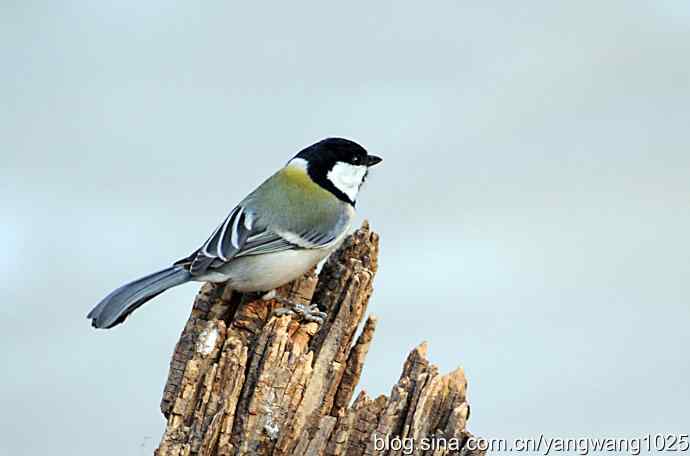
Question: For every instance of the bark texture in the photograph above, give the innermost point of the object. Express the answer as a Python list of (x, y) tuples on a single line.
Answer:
[(244, 382)]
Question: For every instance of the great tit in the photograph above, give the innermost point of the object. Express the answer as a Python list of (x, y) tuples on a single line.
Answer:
[(291, 222)]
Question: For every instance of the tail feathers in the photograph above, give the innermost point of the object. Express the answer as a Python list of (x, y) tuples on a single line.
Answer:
[(115, 307)]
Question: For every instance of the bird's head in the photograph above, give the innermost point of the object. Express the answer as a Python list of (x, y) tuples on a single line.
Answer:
[(338, 165)]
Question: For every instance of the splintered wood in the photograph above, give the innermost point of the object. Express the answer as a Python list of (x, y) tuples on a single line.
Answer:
[(244, 382)]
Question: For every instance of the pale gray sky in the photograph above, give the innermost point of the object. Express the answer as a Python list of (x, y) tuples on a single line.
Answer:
[(533, 203)]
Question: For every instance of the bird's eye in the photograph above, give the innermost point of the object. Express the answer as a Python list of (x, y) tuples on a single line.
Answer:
[(356, 160)]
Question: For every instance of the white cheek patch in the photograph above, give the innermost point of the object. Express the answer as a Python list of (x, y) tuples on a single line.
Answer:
[(347, 178)]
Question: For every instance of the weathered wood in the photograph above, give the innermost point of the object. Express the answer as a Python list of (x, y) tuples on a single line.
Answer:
[(245, 382)]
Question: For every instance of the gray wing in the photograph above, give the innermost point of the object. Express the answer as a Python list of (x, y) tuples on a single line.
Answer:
[(223, 244), (272, 240), (242, 233)]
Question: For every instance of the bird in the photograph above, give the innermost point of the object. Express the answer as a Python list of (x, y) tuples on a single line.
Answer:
[(286, 226)]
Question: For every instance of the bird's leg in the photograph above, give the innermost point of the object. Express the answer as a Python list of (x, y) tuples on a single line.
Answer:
[(269, 295), (305, 312)]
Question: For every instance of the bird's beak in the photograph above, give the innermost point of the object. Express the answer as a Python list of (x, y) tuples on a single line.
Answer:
[(373, 160)]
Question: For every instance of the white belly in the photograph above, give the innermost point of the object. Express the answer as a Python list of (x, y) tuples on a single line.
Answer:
[(268, 271)]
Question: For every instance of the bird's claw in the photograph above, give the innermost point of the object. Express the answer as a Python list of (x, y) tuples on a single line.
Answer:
[(302, 312), (269, 295)]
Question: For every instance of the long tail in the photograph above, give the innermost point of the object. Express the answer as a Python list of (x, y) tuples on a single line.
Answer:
[(115, 307)]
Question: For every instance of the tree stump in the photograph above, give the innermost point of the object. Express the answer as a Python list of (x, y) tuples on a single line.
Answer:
[(244, 382)]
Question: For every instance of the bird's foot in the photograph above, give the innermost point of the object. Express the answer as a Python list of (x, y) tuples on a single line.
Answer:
[(309, 312), (269, 295)]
